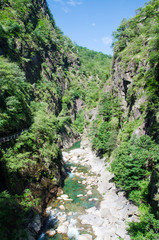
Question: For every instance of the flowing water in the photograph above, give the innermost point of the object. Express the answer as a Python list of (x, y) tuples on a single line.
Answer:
[(65, 211)]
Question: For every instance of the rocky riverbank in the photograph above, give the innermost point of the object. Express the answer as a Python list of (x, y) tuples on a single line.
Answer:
[(109, 220), (91, 208)]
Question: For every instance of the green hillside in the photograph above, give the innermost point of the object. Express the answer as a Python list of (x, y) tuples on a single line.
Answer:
[(53, 92)]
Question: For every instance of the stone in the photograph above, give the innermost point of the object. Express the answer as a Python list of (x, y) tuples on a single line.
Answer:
[(51, 233), (48, 210), (85, 237), (69, 214), (69, 199), (64, 196), (61, 218), (89, 192), (105, 213), (95, 199), (66, 223), (120, 232), (62, 207), (90, 200), (80, 195), (84, 182), (36, 224), (62, 229), (60, 191), (91, 210), (91, 219)]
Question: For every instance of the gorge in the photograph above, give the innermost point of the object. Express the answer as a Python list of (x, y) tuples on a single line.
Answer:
[(60, 93)]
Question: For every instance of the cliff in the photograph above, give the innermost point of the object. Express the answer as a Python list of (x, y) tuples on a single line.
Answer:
[(37, 65), (126, 128)]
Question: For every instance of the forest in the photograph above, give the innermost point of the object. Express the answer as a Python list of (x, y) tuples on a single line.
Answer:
[(50, 87)]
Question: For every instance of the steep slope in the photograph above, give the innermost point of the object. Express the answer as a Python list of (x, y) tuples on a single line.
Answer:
[(42, 85), (36, 60), (126, 128)]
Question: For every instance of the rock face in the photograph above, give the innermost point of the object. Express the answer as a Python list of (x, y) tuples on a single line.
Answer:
[(123, 80), (34, 227), (133, 68), (46, 58)]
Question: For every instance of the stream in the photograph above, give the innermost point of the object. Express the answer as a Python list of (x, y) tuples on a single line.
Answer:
[(79, 194), (89, 207)]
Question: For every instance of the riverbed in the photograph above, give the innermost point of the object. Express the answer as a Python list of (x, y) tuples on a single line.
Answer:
[(89, 206)]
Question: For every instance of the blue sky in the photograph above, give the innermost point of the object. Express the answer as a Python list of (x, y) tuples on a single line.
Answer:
[(90, 23)]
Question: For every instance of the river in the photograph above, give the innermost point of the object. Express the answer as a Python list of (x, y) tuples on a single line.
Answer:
[(89, 206)]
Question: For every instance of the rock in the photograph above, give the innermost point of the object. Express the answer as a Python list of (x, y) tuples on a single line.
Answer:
[(84, 182), (64, 196), (69, 214), (36, 224), (95, 199), (105, 213), (85, 237), (62, 229), (80, 195), (91, 219), (69, 199), (62, 207), (51, 233), (61, 218), (91, 210), (89, 192), (121, 232), (60, 191), (66, 223), (90, 200), (48, 210)]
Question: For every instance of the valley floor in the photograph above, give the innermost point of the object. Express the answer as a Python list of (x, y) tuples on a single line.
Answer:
[(89, 206), (109, 220)]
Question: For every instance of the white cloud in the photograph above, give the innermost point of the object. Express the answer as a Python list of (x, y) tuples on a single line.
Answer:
[(66, 5), (107, 40), (65, 9), (59, 1), (74, 3), (93, 24)]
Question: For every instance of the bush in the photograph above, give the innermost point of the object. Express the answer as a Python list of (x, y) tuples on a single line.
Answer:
[(134, 162)]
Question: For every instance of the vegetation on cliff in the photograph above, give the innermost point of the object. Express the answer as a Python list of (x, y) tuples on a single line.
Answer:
[(41, 81), (127, 122), (49, 87), (35, 61)]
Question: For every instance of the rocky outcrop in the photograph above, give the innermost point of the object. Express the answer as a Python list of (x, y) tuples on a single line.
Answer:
[(123, 87)]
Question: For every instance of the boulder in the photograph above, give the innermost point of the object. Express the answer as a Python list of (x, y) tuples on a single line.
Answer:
[(62, 229), (51, 233), (62, 207), (85, 237)]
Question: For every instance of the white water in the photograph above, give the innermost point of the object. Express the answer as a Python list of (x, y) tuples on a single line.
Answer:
[(41, 236), (72, 229)]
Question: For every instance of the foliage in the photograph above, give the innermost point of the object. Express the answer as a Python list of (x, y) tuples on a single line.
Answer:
[(14, 97), (95, 69), (43, 136), (137, 39), (78, 124), (105, 129), (134, 162), (147, 228), (12, 217)]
